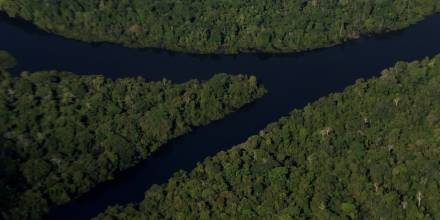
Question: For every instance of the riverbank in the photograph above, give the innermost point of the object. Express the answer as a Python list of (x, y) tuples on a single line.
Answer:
[(206, 27), (62, 133)]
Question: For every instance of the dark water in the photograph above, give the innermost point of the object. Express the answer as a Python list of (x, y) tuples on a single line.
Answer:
[(292, 81)]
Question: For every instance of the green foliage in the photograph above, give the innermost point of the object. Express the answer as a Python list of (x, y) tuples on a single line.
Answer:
[(227, 26), (6, 60), (370, 152), (61, 133)]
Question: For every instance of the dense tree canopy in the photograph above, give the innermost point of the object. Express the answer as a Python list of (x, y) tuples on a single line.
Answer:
[(62, 133), (7, 61), (370, 152), (227, 26)]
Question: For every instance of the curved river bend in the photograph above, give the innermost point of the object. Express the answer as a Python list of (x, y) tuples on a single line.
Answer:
[(292, 81)]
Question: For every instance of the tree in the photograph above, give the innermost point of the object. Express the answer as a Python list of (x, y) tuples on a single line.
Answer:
[(6, 60)]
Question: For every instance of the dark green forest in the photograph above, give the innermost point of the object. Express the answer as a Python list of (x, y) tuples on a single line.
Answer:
[(7, 61), (370, 152), (227, 26), (62, 133)]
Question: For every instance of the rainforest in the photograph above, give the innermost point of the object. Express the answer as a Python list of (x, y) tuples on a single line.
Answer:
[(63, 133), (148, 109), (230, 26), (370, 152)]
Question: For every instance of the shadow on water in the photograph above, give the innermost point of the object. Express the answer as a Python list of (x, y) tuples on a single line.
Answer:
[(292, 80)]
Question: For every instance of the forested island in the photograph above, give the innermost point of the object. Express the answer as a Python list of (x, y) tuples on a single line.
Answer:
[(210, 26), (370, 152), (61, 134)]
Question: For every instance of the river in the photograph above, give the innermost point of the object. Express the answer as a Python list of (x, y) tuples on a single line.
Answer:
[(293, 80)]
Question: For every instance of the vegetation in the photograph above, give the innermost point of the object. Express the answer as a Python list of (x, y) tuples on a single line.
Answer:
[(370, 152), (7, 61), (62, 133), (228, 26)]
